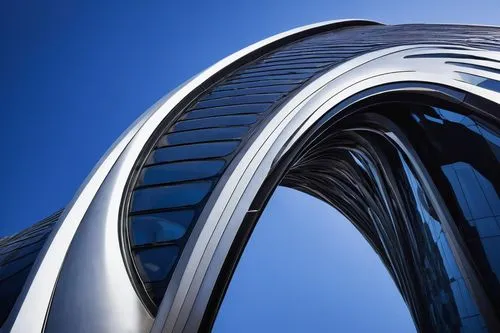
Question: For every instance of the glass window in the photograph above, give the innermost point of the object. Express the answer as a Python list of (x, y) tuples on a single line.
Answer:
[(264, 77), (19, 243), (169, 196), (160, 227), (257, 84), (22, 250), (155, 263), (194, 151), (174, 172), (273, 72), (226, 91), (228, 110), (10, 288), (12, 267), (17, 255), (214, 122), (203, 135), (238, 100), (287, 66)]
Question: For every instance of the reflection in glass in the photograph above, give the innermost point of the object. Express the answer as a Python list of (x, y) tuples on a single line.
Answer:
[(155, 263), (202, 135), (236, 100), (215, 122), (226, 91), (194, 151), (467, 155), (169, 196), (160, 227), (362, 172), (175, 172), (227, 110)]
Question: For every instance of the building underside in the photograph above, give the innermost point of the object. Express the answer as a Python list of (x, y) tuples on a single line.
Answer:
[(397, 127)]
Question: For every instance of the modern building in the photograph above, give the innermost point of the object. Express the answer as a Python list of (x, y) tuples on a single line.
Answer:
[(397, 127)]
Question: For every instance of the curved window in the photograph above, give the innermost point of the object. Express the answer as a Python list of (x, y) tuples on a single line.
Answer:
[(423, 209)]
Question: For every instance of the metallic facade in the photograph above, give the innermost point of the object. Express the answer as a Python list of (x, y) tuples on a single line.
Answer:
[(395, 126)]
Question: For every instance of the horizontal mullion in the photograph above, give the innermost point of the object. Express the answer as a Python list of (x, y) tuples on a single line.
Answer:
[(26, 244), (7, 260), (164, 210), (226, 158), (269, 79), (195, 143), (214, 122), (333, 53), (209, 127), (148, 246), (258, 84), (252, 91), (27, 238), (226, 111), (255, 86), (273, 71), (264, 78), (203, 135), (180, 182), (293, 66), (237, 100), (227, 106), (310, 59)]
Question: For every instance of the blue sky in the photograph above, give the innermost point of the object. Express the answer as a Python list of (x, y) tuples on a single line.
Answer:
[(75, 75), (307, 269)]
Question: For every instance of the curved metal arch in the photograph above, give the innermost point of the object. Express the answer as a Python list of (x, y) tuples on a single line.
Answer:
[(230, 201), (98, 199)]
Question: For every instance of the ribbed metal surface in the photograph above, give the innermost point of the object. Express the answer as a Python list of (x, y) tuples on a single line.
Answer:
[(17, 255), (214, 127)]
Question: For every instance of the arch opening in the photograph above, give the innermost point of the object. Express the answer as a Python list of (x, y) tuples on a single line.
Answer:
[(426, 204)]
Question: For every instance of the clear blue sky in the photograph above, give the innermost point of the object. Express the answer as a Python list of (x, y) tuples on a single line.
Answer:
[(75, 75), (307, 269)]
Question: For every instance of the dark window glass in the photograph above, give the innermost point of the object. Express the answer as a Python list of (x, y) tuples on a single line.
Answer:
[(257, 84), (167, 173), (211, 134), (13, 246), (214, 122), (265, 77), (227, 110), (439, 258), (295, 72), (237, 100), (10, 289), (23, 250), (169, 196), (296, 57), (228, 91), (15, 266), (194, 151), (160, 227), (305, 60), (286, 66), (462, 152), (490, 84), (155, 263), (156, 290), (17, 255)]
